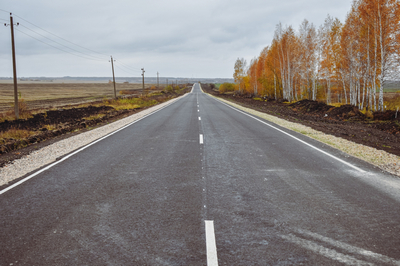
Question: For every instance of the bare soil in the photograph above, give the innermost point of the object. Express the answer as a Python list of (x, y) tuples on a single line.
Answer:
[(381, 132), (65, 122)]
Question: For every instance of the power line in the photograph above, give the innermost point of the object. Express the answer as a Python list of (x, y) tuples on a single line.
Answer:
[(60, 37), (5, 11), (68, 49), (58, 47), (62, 44), (128, 67), (123, 70)]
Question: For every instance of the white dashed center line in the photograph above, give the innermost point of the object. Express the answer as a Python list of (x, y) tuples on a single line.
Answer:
[(201, 138), (212, 258)]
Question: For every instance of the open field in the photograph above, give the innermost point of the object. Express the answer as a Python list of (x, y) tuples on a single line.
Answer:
[(49, 94), (391, 90)]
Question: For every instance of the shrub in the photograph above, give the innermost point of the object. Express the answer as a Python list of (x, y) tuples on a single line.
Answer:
[(226, 87), (169, 88)]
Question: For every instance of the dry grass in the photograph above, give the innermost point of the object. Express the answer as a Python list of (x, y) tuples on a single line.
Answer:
[(24, 112), (156, 93), (94, 117), (392, 101), (17, 134), (337, 104), (130, 103), (50, 127)]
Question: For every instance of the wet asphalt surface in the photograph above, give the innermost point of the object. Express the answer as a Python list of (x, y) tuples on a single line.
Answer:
[(142, 195)]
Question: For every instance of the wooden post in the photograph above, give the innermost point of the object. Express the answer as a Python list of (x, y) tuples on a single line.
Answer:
[(16, 107)]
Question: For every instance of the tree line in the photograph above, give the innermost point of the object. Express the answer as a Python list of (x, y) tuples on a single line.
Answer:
[(338, 62)]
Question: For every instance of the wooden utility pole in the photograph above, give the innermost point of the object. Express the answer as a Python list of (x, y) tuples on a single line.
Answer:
[(158, 85), (112, 66), (143, 79), (16, 106)]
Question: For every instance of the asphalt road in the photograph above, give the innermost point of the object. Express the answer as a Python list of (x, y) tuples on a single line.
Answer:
[(200, 182)]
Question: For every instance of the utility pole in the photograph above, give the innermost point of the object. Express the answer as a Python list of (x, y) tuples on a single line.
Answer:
[(143, 79), (16, 107), (158, 85), (112, 66)]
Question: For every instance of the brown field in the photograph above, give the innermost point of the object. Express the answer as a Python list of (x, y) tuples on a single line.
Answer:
[(49, 95)]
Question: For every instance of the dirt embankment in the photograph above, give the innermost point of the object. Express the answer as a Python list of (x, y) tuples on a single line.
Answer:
[(54, 125), (380, 132)]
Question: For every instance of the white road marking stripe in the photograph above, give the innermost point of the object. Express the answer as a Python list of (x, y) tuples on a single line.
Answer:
[(212, 258), (326, 252), (201, 138), (302, 141), (350, 248), (83, 148), (198, 110), (199, 118)]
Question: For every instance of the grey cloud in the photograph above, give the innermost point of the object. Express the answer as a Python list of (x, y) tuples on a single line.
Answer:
[(205, 36)]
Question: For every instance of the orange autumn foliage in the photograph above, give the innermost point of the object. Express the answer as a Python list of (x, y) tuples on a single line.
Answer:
[(342, 62)]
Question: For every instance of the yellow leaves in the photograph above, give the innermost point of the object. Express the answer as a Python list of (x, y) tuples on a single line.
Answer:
[(344, 63), (227, 87)]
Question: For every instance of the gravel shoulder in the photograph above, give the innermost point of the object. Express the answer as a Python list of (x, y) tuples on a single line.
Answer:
[(49, 154), (382, 159)]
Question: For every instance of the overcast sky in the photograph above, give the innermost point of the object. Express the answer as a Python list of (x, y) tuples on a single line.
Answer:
[(177, 38)]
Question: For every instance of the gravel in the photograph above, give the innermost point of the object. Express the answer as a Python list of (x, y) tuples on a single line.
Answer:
[(382, 159), (51, 153)]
